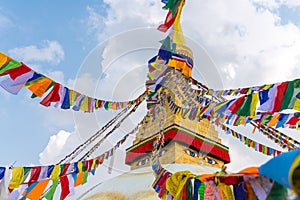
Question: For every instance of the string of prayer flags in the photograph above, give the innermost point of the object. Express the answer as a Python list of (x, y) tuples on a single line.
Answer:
[(253, 89), (278, 137), (244, 109), (222, 112), (251, 143), (21, 76), (276, 120), (68, 175)]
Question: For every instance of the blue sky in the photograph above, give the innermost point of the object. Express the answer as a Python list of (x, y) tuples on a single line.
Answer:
[(32, 23), (265, 52), (24, 133)]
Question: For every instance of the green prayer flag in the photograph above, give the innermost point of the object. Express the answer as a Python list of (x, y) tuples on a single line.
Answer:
[(244, 110), (10, 65), (295, 94), (85, 176), (238, 121), (189, 189), (266, 119), (73, 98), (263, 148), (62, 166), (172, 5), (107, 105), (26, 172), (166, 43), (278, 192), (201, 190), (174, 46), (49, 195), (288, 96)]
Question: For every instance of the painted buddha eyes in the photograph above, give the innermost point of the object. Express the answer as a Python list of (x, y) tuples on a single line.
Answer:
[(191, 153), (194, 154), (210, 161), (143, 162)]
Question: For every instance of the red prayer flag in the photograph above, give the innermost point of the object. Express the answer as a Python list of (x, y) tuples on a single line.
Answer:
[(236, 104), (65, 191), (16, 72), (90, 162), (34, 174), (169, 21), (53, 96), (279, 96), (293, 120)]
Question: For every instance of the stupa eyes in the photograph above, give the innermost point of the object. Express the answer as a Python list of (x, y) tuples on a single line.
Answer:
[(210, 161), (143, 162), (191, 153)]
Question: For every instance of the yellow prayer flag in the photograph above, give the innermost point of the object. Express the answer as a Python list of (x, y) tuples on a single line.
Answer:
[(94, 163), (17, 177), (268, 86), (158, 64), (85, 104), (3, 59), (151, 77), (226, 191), (79, 165), (297, 104), (55, 173), (178, 37), (254, 104)]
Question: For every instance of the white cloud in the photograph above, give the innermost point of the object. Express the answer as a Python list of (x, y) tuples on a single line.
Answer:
[(123, 15), (94, 21), (237, 32), (230, 71), (58, 147), (48, 51)]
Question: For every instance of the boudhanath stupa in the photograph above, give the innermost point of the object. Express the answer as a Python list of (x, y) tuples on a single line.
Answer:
[(176, 152)]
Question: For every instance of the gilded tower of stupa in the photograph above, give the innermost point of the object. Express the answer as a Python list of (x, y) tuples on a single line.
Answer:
[(185, 141)]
